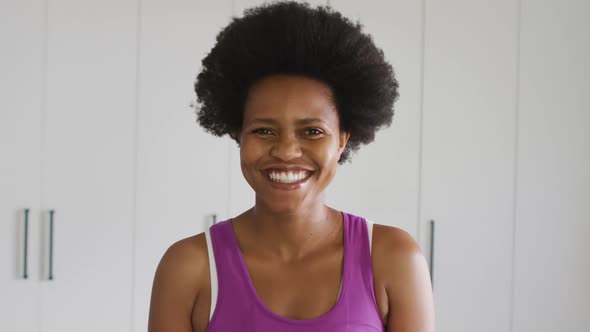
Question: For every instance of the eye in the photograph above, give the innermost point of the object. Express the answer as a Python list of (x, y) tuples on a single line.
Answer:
[(262, 131), (313, 132)]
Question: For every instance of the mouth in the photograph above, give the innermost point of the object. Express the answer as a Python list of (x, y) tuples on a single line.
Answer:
[(287, 179)]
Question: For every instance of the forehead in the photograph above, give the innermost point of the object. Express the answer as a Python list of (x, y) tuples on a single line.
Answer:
[(286, 96)]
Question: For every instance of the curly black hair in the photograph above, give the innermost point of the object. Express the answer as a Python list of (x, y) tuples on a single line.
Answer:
[(292, 38)]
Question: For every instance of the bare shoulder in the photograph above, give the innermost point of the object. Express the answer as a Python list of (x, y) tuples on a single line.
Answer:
[(393, 250), (402, 271), (180, 277), (186, 251), (393, 240), (393, 243), (186, 260), (396, 254)]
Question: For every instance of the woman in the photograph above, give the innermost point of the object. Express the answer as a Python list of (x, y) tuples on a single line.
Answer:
[(299, 89)]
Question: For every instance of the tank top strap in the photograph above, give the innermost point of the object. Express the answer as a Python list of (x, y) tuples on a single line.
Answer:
[(360, 279), (233, 292)]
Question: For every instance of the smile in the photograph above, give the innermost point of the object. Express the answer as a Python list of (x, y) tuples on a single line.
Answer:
[(288, 176)]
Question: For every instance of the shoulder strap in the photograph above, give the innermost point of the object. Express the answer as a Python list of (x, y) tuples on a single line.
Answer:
[(370, 231), (212, 272)]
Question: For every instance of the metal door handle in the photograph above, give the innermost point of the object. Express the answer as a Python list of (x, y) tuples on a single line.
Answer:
[(432, 229), (26, 246), (51, 213)]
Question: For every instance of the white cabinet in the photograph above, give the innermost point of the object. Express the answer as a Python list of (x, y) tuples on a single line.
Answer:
[(68, 135), (88, 164), (21, 103), (552, 256), (182, 172), (468, 160)]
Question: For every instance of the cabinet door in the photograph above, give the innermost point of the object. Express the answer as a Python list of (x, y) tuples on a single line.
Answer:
[(21, 98), (381, 183), (182, 170), (88, 165), (552, 262), (468, 162)]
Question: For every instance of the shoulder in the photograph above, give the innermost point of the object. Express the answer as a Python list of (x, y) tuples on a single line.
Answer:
[(187, 255), (403, 274), (395, 252), (390, 240), (181, 276), (186, 261)]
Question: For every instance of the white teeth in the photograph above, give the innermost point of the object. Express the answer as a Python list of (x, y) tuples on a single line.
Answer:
[(288, 177)]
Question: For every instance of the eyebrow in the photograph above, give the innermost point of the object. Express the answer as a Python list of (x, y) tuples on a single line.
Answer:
[(303, 121)]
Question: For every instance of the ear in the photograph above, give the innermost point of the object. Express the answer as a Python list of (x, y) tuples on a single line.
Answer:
[(344, 136)]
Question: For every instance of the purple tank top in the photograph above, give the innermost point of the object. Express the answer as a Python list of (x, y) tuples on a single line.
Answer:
[(239, 308)]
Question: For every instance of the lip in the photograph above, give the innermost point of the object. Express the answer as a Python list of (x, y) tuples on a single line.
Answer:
[(281, 168), (286, 186)]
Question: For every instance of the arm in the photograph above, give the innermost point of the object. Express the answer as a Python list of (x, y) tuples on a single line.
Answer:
[(177, 283), (407, 282)]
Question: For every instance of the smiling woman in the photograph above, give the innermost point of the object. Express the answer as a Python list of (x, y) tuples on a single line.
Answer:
[(299, 89)]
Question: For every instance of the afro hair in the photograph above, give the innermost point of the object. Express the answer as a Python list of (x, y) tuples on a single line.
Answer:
[(292, 38)]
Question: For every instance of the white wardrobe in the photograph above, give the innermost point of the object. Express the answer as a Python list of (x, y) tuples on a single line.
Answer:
[(68, 156), (490, 143)]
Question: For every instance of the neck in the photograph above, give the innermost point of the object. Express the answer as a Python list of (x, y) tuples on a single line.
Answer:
[(292, 234)]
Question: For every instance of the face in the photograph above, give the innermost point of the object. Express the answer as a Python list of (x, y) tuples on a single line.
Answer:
[(290, 141)]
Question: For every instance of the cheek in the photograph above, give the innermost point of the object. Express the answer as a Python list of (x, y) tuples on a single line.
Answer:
[(248, 159), (247, 149), (250, 154), (327, 156)]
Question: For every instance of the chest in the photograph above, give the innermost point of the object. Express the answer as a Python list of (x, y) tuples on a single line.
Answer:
[(302, 290), (305, 289)]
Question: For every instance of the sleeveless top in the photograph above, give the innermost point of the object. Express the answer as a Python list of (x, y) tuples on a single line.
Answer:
[(238, 307)]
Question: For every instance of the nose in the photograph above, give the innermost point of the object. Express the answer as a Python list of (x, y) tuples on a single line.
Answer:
[(287, 147)]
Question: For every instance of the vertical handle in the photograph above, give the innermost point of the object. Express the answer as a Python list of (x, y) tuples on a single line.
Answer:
[(432, 229), (51, 213), (26, 246), (214, 219)]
